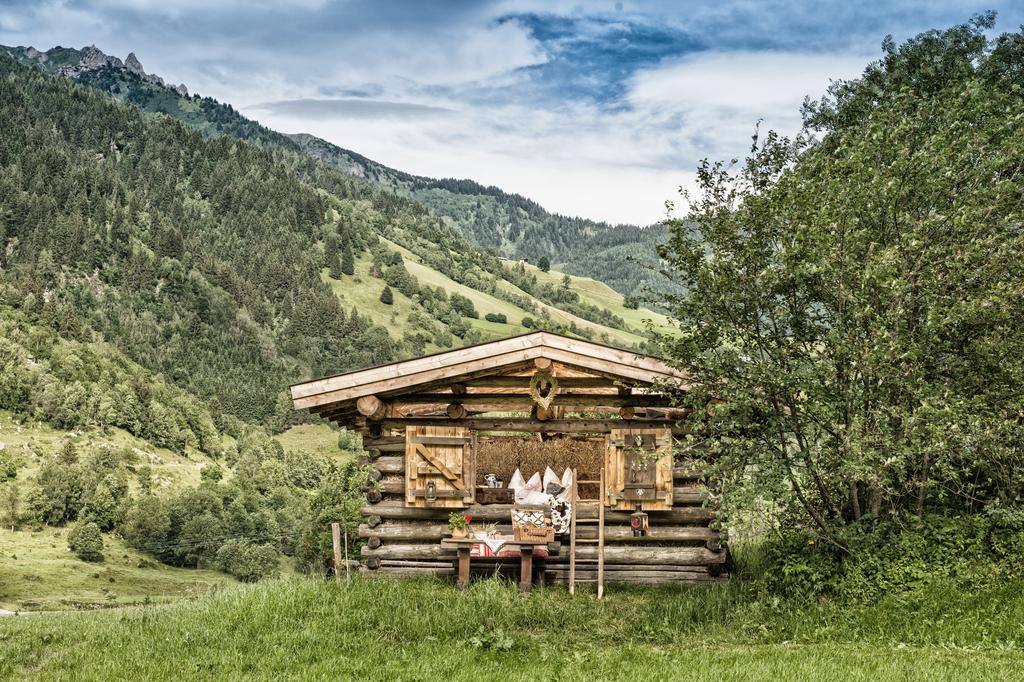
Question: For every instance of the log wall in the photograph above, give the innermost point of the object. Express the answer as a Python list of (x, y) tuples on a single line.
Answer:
[(683, 545)]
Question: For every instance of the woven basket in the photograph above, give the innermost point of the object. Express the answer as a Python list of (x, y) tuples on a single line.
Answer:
[(532, 524)]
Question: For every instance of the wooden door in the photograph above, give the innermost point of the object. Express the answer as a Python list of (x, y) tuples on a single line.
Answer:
[(439, 466), (638, 469)]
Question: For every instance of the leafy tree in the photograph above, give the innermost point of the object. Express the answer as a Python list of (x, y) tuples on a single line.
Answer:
[(86, 542), (630, 302), (147, 525), (846, 319), (247, 561), (386, 297), (544, 264), (102, 509), (566, 282), (463, 305)]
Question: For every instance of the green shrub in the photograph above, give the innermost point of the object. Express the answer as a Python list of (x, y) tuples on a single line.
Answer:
[(875, 558), (247, 561), (500, 318), (86, 541), (211, 472)]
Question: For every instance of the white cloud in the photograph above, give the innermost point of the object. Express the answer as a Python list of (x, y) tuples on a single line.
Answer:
[(580, 159), (721, 96)]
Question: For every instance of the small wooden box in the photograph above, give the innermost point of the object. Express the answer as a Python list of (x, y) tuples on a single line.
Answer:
[(533, 534), (485, 495)]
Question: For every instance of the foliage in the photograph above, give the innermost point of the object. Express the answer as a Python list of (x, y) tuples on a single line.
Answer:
[(247, 561), (386, 297), (86, 542), (137, 231), (486, 639), (459, 521), (499, 318), (853, 311)]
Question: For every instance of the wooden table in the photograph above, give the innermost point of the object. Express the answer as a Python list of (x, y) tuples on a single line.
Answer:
[(464, 545)]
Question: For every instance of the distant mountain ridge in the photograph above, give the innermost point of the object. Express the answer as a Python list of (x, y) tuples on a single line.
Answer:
[(510, 225)]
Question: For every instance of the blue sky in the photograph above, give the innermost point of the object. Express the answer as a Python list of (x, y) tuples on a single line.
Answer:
[(600, 109)]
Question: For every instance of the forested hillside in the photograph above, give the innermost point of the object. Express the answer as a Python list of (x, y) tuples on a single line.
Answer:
[(623, 256), (510, 225), (164, 281), (196, 257)]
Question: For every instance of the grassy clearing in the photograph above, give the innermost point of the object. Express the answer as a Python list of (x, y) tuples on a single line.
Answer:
[(363, 291), (39, 573), (486, 303), (426, 630), (602, 295), (319, 439)]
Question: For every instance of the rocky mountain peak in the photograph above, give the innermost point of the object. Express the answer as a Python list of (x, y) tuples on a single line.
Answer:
[(133, 64), (93, 59)]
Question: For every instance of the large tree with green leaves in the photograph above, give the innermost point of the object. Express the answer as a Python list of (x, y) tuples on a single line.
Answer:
[(854, 314)]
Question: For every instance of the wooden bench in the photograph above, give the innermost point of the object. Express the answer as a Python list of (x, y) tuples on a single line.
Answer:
[(464, 545)]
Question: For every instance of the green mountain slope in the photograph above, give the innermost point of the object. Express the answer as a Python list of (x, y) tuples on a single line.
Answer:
[(508, 224)]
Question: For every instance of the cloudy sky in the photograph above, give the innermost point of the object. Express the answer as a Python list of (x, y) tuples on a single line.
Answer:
[(600, 109)]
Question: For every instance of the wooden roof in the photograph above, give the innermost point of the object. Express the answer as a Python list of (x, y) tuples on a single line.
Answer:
[(503, 357)]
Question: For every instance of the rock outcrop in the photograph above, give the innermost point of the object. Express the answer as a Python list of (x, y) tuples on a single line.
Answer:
[(133, 64), (94, 59)]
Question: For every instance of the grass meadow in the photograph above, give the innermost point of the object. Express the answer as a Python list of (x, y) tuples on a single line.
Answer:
[(301, 628)]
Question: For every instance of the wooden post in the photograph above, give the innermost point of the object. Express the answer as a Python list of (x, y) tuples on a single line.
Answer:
[(525, 568), (348, 572), (336, 539), (572, 533), (600, 538), (463, 566)]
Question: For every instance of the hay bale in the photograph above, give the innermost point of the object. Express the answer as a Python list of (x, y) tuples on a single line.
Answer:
[(503, 455)]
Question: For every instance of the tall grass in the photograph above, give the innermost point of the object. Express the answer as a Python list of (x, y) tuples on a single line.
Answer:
[(425, 629)]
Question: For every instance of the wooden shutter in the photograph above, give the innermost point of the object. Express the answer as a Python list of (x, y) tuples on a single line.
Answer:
[(439, 466), (638, 469)]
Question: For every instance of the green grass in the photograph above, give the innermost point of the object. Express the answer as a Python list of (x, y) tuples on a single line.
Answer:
[(363, 291), (426, 630), (602, 295), (39, 573), (319, 439)]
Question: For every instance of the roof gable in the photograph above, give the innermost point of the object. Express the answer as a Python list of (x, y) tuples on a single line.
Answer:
[(494, 357)]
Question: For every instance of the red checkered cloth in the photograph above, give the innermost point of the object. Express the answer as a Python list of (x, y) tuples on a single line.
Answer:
[(481, 549)]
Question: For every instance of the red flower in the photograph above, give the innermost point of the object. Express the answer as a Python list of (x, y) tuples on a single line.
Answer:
[(468, 518)]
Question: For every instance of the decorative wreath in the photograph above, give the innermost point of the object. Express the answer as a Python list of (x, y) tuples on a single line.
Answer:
[(543, 389)]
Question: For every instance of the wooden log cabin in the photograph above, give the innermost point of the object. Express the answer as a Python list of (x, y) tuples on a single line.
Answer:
[(434, 427)]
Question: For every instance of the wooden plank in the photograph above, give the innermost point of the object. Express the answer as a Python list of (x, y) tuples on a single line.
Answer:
[(441, 440), (428, 531), (351, 389), (396, 509), (682, 495), (697, 556), (420, 365), (529, 425), (567, 400), (514, 381)]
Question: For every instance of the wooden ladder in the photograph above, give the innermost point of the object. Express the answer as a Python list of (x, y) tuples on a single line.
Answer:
[(573, 540)]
